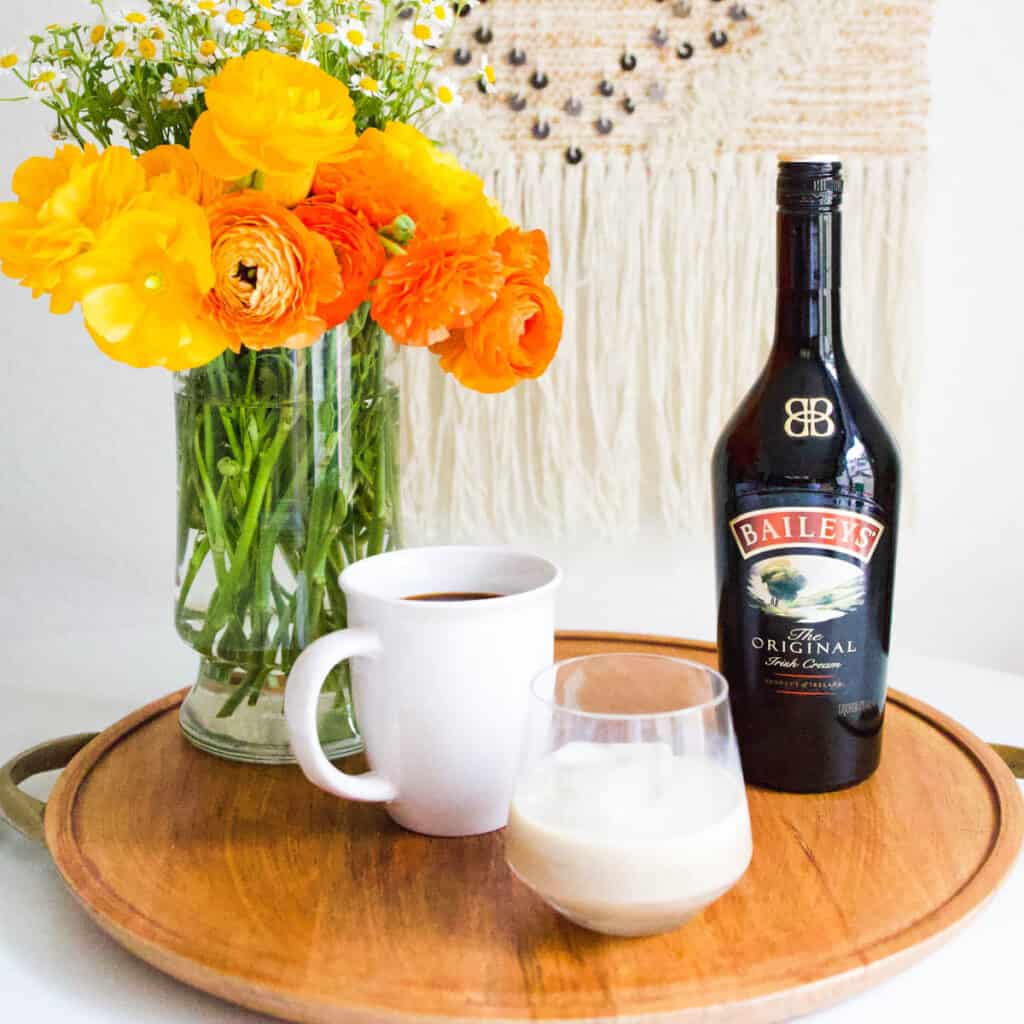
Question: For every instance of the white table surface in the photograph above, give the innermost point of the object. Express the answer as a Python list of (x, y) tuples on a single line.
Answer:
[(56, 966)]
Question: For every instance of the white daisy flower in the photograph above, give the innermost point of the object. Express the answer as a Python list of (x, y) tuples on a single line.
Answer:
[(367, 85), (134, 17), (177, 89), (267, 6), (97, 35), (487, 77), (207, 7), (438, 12), (10, 61), (149, 49), (327, 29), (353, 34), (209, 52), (120, 46), (422, 33), (446, 94), (295, 5), (233, 19), (46, 79), (265, 29)]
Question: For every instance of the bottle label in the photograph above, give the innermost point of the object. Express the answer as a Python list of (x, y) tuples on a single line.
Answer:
[(806, 575), (772, 529)]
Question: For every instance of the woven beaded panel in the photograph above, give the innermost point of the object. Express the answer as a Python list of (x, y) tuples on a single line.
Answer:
[(642, 136)]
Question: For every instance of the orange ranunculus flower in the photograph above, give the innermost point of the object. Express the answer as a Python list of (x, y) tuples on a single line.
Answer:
[(272, 273), (276, 116), (357, 246), (143, 284), (173, 169), (400, 171), (64, 203), (524, 252), (514, 340), (439, 285)]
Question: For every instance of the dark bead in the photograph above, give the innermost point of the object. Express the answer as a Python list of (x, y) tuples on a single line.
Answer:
[(539, 80), (718, 39), (738, 12), (659, 37), (516, 57), (483, 35), (462, 57), (406, 13), (606, 88), (573, 106), (462, 10), (481, 84), (573, 155), (684, 51), (628, 62), (517, 102), (628, 106), (603, 125), (541, 130)]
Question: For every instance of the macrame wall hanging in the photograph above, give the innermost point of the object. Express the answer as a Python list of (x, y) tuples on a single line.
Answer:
[(642, 136)]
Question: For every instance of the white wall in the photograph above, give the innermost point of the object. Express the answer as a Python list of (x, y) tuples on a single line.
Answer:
[(87, 453)]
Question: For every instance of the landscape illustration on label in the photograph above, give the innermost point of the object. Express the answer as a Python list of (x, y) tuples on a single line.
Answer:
[(806, 588)]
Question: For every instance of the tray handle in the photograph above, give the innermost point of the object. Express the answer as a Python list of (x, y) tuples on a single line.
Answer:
[(18, 809), (1013, 756)]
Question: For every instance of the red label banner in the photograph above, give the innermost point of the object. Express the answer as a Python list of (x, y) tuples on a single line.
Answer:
[(771, 529)]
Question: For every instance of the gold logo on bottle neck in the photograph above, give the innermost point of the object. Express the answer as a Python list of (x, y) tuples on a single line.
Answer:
[(810, 417)]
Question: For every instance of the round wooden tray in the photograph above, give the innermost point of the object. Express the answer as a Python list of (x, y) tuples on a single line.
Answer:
[(251, 884)]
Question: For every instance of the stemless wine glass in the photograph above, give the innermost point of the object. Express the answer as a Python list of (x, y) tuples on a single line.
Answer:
[(629, 814)]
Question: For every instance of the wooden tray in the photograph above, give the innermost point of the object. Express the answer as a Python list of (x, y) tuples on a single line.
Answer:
[(251, 884)]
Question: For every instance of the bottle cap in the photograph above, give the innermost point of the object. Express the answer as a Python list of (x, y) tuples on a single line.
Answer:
[(810, 184)]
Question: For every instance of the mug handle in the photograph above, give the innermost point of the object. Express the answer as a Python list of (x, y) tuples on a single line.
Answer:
[(301, 700)]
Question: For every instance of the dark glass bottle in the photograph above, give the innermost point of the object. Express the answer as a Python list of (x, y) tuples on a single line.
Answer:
[(806, 495)]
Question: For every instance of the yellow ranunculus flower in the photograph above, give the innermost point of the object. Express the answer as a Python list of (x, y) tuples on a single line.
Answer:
[(173, 170), (274, 116), (142, 285), (64, 202)]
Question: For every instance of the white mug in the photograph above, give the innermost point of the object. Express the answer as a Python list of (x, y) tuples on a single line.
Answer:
[(441, 687)]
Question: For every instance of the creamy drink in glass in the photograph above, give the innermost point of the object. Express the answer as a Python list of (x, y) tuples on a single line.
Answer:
[(629, 815)]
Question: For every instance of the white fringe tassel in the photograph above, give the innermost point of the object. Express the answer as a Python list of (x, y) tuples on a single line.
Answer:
[(665, 270)]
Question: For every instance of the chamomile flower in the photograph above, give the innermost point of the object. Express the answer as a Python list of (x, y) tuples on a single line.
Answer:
[(268, 6), (440, 13), (487, 77), (46, 79), (353, 34), (265, 29), (177, 89), (295, 5), (367, 85), (10, 62), (234, 19), (149, 49), (327, 29), (446, 95), (209, 52), (120, 46), (207, 7), (97, 35), (423, 33), (134, 17)]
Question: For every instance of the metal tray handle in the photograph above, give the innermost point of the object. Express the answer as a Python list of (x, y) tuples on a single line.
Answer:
[(20, 810)]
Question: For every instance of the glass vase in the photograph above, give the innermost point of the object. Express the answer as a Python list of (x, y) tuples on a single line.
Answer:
[(287, 473)]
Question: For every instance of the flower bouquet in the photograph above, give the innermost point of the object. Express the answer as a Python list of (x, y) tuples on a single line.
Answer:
[(246, 194)]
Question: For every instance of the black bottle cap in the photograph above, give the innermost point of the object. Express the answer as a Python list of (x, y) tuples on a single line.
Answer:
[(810, 184)]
